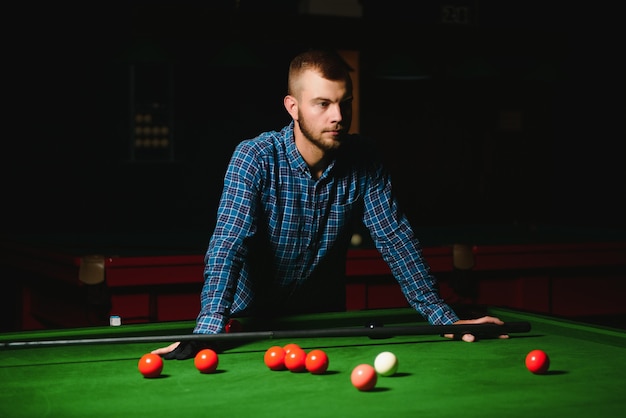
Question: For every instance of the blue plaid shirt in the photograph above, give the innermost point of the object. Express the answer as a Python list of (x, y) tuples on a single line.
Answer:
[(270, 197)]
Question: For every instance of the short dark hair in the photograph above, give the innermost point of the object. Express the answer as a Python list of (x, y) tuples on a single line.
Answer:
[(328, 63)]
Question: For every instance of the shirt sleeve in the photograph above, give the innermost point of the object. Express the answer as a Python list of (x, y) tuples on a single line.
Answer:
[(395, 239), (224, 275)]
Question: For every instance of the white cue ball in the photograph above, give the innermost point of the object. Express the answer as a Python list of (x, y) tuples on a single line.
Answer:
[(356, 240), (386, 363)]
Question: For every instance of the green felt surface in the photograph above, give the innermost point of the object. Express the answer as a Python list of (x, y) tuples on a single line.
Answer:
[(436, 376)]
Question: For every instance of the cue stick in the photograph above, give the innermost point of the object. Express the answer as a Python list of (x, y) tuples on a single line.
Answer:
[(374, 333)]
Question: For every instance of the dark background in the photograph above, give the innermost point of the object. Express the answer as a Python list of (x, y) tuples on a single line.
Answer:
[(521, 120)]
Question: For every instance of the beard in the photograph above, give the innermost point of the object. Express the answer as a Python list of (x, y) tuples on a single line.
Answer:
[(325, 143)]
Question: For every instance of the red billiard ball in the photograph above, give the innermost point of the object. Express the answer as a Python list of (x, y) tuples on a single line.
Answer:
[(316, 361), (364, 377), (275, 358), (206, 361), (537, 361), (295, 360), (289, 347), (232, 326), (150, 365)]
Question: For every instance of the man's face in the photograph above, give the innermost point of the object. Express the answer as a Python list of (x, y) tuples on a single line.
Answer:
[(324, 110)]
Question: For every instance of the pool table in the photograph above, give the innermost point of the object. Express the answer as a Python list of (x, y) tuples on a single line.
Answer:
[(436, 376)]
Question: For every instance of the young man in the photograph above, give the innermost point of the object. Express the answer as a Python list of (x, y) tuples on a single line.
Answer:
[(286, 211)]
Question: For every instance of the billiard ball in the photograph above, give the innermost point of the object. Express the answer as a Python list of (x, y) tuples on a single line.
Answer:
[(386, 363), (316, 361), (233, 325), (150, 365), (537, 361), (206, 361), (289, 347), (356, 240), (295, 360), (364, 377), (274, 358), (375, 325)]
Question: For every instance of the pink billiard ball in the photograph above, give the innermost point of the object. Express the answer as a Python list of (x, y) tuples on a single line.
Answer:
[(364, 377), (537, 361)]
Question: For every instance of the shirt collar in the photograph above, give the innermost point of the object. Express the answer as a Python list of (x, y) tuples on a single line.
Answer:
[(294, 157)]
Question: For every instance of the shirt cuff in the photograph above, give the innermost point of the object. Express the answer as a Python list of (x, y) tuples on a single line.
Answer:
[(443, 316), (210, 324)]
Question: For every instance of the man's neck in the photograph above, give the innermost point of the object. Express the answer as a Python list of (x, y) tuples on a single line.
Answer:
[(316, 158)]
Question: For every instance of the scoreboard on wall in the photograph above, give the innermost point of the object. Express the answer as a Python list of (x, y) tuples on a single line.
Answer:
[(151, 89)]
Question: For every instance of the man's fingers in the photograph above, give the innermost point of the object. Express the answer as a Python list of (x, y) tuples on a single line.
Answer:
[(470, 338), (165, 350), (465, 337)]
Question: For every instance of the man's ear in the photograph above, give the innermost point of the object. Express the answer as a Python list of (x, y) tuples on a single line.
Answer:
[(291, 105)]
